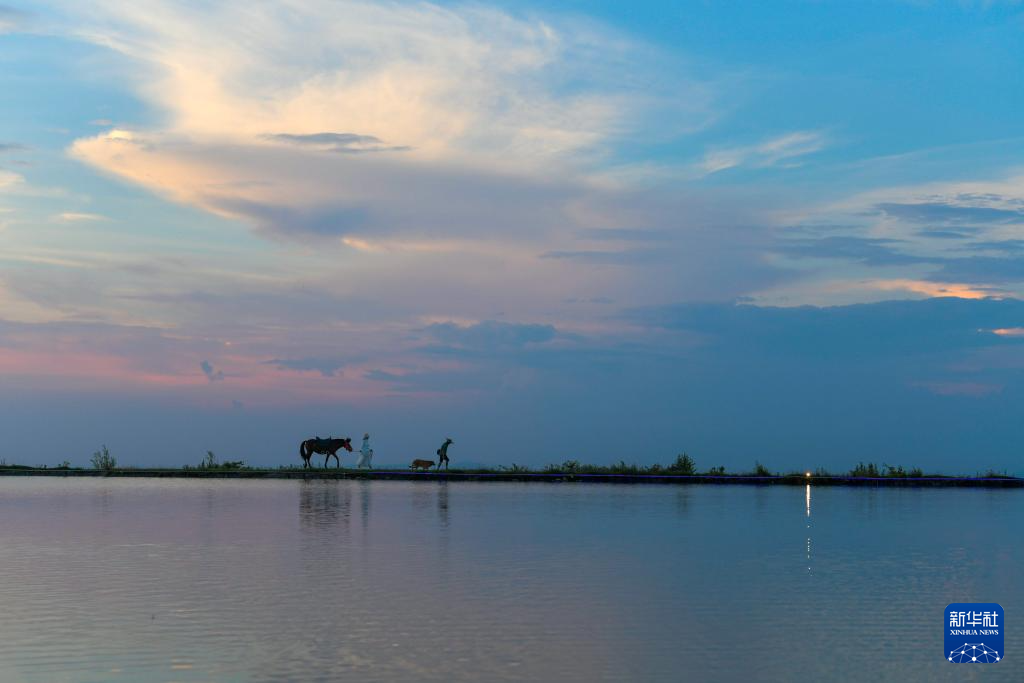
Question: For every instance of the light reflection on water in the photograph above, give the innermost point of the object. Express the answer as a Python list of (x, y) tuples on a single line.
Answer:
[(186, 580)]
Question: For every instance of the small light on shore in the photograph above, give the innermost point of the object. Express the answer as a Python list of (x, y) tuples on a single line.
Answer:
[(808, 474)]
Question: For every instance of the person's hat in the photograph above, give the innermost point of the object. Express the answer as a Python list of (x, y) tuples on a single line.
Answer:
[(366, 435)]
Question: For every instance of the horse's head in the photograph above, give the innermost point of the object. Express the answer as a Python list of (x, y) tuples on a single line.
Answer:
[(347, 444)]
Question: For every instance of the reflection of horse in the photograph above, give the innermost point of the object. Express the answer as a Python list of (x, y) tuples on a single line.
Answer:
[(327, 447)]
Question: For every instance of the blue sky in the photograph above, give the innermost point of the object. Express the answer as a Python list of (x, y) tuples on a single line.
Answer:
[(790, 232)]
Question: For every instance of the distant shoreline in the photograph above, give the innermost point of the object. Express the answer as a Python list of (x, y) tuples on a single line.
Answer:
[(548, 477)]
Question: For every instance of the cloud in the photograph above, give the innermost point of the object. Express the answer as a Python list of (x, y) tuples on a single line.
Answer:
[(624, 234), (868, 330), (467, 80), (959, 234), (75, 217), (981, 270), (483, 105), (947, 213), (867, 250), (491, 335), (975, 389), (347, 143), (771, 152), (7, 147), (11, 19), (622, 257), (1010, 246), (327, 367), (938, 239), (211, 374), (9, 179), (293, 222)]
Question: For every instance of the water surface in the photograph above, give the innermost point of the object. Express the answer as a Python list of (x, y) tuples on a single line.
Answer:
[(226, 580)]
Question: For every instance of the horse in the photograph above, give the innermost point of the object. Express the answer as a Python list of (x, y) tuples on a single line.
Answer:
[(421, 464), (328, 447)]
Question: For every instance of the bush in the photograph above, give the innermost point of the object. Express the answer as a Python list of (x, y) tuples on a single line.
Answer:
[(684, 464), (570, 465), (760, 470), (862, 470), (622, 468), (894, 470), (103, 460), (209, 462), (717, 471)]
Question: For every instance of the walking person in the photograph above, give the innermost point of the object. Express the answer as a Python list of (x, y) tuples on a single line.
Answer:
[(442, 453), (365, 453)]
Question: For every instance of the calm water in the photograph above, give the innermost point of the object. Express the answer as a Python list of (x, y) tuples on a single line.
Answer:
[(186, 580)]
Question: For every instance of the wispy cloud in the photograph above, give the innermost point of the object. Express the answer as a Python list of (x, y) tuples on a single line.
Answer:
[(9, 179), (6, 147), (346, 143), (76, 217), (11, 18), (772, 152), (481, 104), (327, 367)]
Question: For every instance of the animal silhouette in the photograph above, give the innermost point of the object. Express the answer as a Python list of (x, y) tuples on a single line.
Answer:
[(328, 447)]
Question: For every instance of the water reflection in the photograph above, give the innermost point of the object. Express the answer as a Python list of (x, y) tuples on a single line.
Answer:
[(323, 504), (220, 580), (808, 501), (365, 492), (442, 503)]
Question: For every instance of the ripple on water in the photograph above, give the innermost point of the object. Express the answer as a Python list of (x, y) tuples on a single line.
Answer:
[(154, 580)]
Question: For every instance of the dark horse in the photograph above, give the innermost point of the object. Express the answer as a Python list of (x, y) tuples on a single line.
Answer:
[(328, 447)]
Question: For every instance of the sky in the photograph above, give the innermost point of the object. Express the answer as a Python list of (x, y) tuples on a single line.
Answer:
[(786, 232)]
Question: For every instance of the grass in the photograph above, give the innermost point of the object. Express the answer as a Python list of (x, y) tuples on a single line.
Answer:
[(210, 462), (683, 465)]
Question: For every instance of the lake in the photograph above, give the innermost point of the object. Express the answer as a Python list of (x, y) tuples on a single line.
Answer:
[(141, 580)]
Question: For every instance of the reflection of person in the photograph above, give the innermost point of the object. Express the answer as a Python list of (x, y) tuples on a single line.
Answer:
[(365, 453), (442, 453)]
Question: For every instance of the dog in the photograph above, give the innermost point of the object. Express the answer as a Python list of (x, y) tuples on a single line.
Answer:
[(421, 464)]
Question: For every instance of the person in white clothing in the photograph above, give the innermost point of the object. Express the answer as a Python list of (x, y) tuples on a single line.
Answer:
[(365, 453)]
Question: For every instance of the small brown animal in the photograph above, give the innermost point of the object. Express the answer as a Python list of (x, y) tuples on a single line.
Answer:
[(421, 464)]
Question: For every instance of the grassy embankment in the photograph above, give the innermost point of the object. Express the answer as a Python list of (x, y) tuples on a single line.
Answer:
[(683, 470)]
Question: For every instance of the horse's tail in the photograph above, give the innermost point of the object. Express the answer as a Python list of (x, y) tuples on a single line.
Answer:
[(303, 453)]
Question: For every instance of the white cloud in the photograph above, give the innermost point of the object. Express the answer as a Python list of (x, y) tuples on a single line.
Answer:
[(771, 152), (471, 82), (9, 179), (11, 19), (75, 217)]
